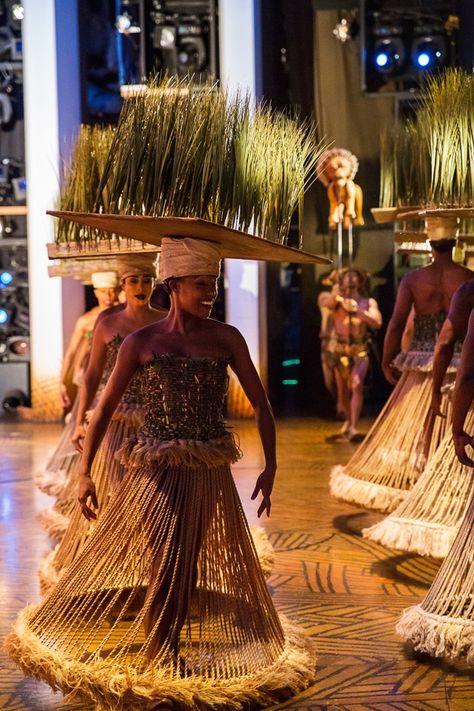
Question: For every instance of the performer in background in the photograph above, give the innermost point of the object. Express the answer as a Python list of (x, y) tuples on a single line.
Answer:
[(427, 520), (406, 434), (105, 290), (354, 313), (442, 624)]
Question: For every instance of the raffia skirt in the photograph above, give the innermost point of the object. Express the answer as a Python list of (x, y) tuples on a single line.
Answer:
[(442, 625), (52, 478), (427, 521), (106, 472), (167, 599), (401, 441)]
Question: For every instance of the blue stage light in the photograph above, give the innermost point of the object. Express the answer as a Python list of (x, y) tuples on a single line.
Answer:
[(423, 59), (381, 59), (6, 279), (389, 55), (4, 316)]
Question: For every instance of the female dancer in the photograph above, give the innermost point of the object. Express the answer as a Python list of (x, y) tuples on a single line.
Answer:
[(167, 600), (51, 479), (137, 278)]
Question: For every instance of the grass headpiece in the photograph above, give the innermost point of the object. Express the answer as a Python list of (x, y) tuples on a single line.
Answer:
[(428, 159), (186, 151)]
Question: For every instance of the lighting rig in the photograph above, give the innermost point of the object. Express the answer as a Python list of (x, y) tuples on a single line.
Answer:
[(401, 43)]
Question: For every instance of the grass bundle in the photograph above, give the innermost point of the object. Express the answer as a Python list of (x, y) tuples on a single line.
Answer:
[(82, 177), (429, 159), (188, 150)]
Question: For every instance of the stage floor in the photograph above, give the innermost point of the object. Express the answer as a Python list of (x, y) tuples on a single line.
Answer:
[(345, 591)]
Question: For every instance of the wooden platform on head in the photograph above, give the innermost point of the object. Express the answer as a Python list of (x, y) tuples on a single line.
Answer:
[(345, 591)]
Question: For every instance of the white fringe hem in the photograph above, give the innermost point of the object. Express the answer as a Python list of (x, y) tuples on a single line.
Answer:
[(364, 493), (413, 536), (438, 635)]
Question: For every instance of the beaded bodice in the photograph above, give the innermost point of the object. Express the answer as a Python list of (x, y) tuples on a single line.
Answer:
[(427, 328), (133, 393), (184, 398)]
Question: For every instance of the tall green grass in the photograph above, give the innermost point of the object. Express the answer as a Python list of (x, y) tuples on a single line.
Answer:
[(429, 159), (188, 150)]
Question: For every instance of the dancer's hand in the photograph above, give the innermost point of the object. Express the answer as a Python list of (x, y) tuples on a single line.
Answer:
[(460, 443), (78, 437), (265, 485), (436, 404), (65, 399), (391, 373), (86, 491)]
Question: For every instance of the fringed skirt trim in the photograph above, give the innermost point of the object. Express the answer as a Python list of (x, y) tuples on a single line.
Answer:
[(395, 451)]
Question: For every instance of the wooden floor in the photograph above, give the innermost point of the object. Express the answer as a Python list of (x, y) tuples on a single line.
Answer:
[(345, 591)]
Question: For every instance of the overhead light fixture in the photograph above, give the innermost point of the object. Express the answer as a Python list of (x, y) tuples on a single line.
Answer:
[(6, 279), (18, 12), (389, 55), (125, 24), (347, 26), (342, 30), (428, 50)]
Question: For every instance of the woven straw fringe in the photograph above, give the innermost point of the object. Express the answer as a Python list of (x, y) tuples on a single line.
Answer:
[(422, 361), (419, 537), (51, 479), (265, 550), (428, 519), (54, 522), (129, 690), (139, 451), (51, 483), (131, 415), (402, 439), (443, 623), (363, 493), (438, 635)]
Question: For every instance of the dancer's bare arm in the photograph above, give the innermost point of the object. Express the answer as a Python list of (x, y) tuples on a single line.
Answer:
[(453, 329), (243, 367), (395, 329), (463, 396), (76, 338), (125, 367), (90, 384), (371, 315)]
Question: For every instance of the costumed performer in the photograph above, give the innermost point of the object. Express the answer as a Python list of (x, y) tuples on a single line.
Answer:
[(137, 278), (427, 521), (354, 312), (442, 624), (136, 272), (406, 433), (72, 371), (327, 337), (167, 601)]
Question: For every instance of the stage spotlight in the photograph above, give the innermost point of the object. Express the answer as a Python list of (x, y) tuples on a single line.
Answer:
[(18, 12), (5, 316), (429, 52), (6, 279), (389, 55)]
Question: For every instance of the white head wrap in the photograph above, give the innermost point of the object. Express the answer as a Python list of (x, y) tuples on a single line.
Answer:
[(188, 257), (104, 280), (136, 264)]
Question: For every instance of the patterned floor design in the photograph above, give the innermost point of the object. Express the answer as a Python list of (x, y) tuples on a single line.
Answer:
[(346, 592)]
